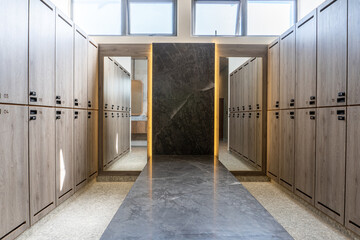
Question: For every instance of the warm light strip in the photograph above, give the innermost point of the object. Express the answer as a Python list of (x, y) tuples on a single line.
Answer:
[(216, 113), (149, 99)]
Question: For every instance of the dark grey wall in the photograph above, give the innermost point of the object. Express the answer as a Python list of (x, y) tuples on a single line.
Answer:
[(183, 98)]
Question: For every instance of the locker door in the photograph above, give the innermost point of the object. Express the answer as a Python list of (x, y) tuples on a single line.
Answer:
[(273, 145), (354, 52), (233, 132), (92, 143), (80, 69), (330, 162), (64, 60), (123, 144), (117, 85), (245, 135), (64, 155), (274, 75), (235, 97), (251, 138), (111, 86), (120, 132), (236, 132), (259, 84), (259, 139), (352, 215), (106, 82), (42, 161), (332, 53), (305, 153), (14, 52), (287, 149), (306, 61), (252, 84), (105, 138), (240, 134), (287, 69), (241, 90), (80, 148), (14, 187), (42, 53), (93, 102), (245, 91)]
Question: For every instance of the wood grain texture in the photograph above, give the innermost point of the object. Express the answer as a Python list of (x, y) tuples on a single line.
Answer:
[(42, 162), (125, 50), (273, 134), (330, 162), (14, 181), (242, 50), (64, 155), (259, 84), (305, 154), (259, 138), (273, 83), (287, 69), (331, 52), (353, 52), (93, 75), (80, 148), (42, 52), (245, 78), (14, 52), (64, 60), (306, 61), (138, 127), (251, 138), (92, 143), (80, 68), (352, 214)]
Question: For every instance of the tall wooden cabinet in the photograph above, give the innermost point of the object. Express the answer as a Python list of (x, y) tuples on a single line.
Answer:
[(93, 74), (92, 143), (14, 52), (330, 161), (352, 212), (353, 52), (80, 69), (64, 60), (287, 69), (42, 53), (251, 135), (273, 132), (41, 161), (259, 84), (259, 138), (80, 148), (332, 53), (274, 75), (14, 185), (305, 154), (306, 61), (64, 155)]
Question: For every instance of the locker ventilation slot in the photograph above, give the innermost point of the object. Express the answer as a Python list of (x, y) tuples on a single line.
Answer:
[(303, 193), (80, 33), (272, 174), (65, 193), (3, 237), (258, 165), (306, 21), (93, 44), (81, 182), (329, 208), (251, 161), (331, 3), (65, 20), (287, 35), (43, 209), (285, 182), (358, 226), (47, 5), (273, 45), (93, 174)]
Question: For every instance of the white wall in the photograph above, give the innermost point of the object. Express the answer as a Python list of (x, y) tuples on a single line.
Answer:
[(234, 63), (306, 6)]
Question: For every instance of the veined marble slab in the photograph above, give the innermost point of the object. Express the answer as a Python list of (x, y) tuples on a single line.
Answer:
[(191, 197)]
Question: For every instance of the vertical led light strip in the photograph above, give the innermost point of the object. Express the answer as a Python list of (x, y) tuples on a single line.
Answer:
[(216, 112), (149, 100)]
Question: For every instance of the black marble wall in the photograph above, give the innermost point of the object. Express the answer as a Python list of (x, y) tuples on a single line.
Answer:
[(183, 98)]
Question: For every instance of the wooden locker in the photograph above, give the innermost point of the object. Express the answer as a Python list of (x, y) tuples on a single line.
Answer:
[(274, 75), (236, 133), (330, 161), (241, 91), (353, 52), (42, 53), (64, 60), (111, 82), (258, 84), (287, 69), (117, 87), (259, 139), (92, 143), (252, 84), (305, 154), (80, 148), (273, 145), (234, 96), (245, 86), (93, 76), (352, 214), (120, 131), (80, 68), (332, 53), (306, 61), (232, 130), (41, 161), (14, 187), (287, 149), (64, 155), (231, 93), (106, 131), (245, 135), (251, 137), (14, 52), (106, 82)]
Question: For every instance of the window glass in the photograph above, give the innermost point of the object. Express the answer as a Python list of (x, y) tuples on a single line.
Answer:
[(270, 17), (98, 17), (151, 17), (216, 17), (306, 6)]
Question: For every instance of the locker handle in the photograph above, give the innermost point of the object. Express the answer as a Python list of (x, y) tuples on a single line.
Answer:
[(292, 117), (341, 94), (292, 113), (112, 106), (58, 112), (58, 102), (312, 117), (341, 118), (340, 100), (292, 100), (312, 102), (58, 117), (76, 117), (312, 98), (118, 107), (33, 112), (58, 97), (257, 116), (32, 93), (292, 104), (312, 112), (89, 113), (32, 118), (33, 99), (76, 100), (340, 112), (76, 113), (89, 116), (277, 113), (277, 117)]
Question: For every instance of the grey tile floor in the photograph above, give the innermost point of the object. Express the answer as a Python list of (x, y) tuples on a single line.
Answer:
[(231, 162), (135, 160)]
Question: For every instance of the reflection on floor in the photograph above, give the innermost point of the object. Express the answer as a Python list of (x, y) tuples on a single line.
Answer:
[(231, 162), (133, 161)]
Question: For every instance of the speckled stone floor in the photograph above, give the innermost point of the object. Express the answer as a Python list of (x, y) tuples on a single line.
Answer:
[(133, 161), (231, 162)]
